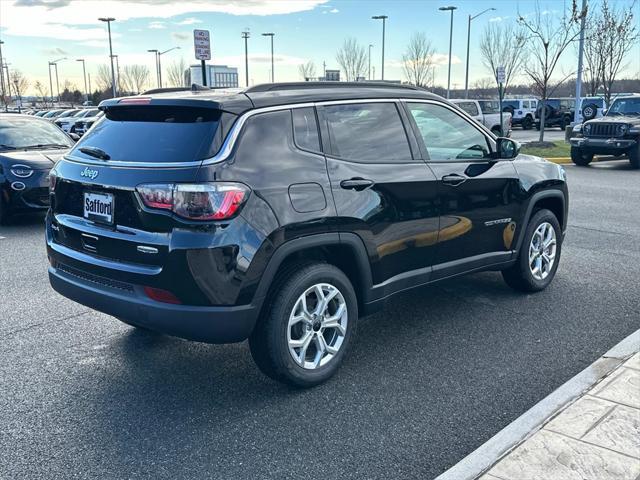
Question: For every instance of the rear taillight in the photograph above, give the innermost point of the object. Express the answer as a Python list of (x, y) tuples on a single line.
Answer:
[(197, 201)]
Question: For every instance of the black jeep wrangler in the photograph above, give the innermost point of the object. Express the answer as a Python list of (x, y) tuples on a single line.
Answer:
[(284, 212), (617, 133), (558, 112)]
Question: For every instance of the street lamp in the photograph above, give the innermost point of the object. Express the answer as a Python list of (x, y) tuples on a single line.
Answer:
[(370, 46), (246, 36), (271, 34), (113, 73), (451, 9), (55, 64), (84, 75), (160, 63), (155, 57), (466, 75), (384, 19), (6, 107), (15, 82), (117, 72)]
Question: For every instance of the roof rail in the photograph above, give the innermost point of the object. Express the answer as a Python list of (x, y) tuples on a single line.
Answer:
[(271, 87), (194, 88)]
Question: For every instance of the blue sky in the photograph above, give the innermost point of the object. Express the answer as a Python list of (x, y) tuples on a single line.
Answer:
[(36, 31)]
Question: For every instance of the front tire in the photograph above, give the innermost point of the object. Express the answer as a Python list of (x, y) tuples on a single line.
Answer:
[(527, 123), (539, 255), (307, 326), (580, 157)]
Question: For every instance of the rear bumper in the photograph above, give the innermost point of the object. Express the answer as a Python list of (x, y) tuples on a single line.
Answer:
[(225, 324)]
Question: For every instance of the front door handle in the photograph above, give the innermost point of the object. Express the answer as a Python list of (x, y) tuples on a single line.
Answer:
[(453, 179), (357, 184)]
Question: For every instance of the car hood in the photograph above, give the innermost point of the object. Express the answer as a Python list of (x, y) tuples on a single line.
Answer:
[(635, 120), (36, 159)]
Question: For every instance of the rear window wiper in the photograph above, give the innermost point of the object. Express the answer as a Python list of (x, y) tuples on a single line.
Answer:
[(8, 147), (95, 152)]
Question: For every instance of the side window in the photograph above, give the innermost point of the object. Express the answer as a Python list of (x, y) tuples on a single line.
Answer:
[(367, 132), (470, 107), (305, 128), (446, 135), (525, 104)]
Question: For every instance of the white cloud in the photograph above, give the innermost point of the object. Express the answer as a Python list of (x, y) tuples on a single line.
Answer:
[(77, 19), (439, 59), (55, 51), (189, 21), (180, 36), (157, 26), (334, 10), (282, 60), (498, 19)]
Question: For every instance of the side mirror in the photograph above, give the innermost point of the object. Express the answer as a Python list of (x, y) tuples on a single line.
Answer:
[(74, 136), (507, 148)]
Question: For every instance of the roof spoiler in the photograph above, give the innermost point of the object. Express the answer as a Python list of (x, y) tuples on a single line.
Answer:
[(194, 88), (271, 87)]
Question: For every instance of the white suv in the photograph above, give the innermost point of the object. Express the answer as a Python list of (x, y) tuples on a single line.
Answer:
[(522, 110)]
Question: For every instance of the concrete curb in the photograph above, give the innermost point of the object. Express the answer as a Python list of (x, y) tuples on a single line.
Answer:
[(485, 456)]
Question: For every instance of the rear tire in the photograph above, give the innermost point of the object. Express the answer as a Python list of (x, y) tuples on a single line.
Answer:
[(580, 158), (525, 275), (634, 156), (295, 316), (527, 123)]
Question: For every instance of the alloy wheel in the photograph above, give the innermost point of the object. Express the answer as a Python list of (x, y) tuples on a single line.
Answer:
[(542, 251), (317, 326)]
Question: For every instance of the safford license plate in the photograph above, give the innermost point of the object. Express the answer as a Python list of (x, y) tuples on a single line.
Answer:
[(99, 207)]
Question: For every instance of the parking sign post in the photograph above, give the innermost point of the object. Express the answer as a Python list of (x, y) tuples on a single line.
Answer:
[(202, 46), (501, 77)]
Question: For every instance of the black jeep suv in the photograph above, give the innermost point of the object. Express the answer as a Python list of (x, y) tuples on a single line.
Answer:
[(617, 133), (284, 212), (558, 112)]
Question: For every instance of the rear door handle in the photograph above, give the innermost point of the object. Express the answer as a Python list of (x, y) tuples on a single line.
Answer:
[(357, 184), (453, 179)]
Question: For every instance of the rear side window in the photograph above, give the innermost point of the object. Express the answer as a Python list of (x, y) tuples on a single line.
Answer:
[(367, 132), (154, 134), (305, 128), (470, 107)]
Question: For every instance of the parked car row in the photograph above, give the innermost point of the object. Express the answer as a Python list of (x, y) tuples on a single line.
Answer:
[(75, 121)]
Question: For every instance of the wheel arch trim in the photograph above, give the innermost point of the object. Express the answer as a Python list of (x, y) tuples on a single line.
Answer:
[(557, 194)]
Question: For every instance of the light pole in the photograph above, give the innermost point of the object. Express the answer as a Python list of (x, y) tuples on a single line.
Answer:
[(6, 107), (55, 64), (466, 75), (271, 34), (6, 67), (370, 46), (155, 57), (384, 20), (580, 56), (160, 63), (84, 75), (117, 72), (113, 73), (246, 36), (15, 82), (451, 9)]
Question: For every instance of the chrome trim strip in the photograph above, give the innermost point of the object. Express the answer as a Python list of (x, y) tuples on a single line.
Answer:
[(145, 249), (92, 237), (234, 133)]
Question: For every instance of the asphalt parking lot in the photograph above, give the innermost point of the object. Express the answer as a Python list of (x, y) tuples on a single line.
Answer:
[(431, 378)]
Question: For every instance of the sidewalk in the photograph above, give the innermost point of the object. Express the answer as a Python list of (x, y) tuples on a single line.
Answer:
[(588, 429), (597, 437)]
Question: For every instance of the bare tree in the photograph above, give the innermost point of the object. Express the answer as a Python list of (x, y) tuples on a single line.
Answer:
[(548, 38), (307, 70), (417, 60), (103, 77), (42, 92), (617, 34), (352, 58), (135, 78), (175, 72), (592, 57), (19, 82), (503, 46)]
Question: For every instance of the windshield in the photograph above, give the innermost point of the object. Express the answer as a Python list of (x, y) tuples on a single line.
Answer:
[(153, 134), (511, 103), (625, 106), (25, 133)]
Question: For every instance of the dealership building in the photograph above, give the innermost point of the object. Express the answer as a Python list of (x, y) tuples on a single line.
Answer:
[(220, 76)]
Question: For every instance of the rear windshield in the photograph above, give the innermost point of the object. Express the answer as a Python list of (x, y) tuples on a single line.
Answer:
[(154, 134)]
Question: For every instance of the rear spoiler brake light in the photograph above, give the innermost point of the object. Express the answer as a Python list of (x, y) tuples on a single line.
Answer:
[(135, 101)]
